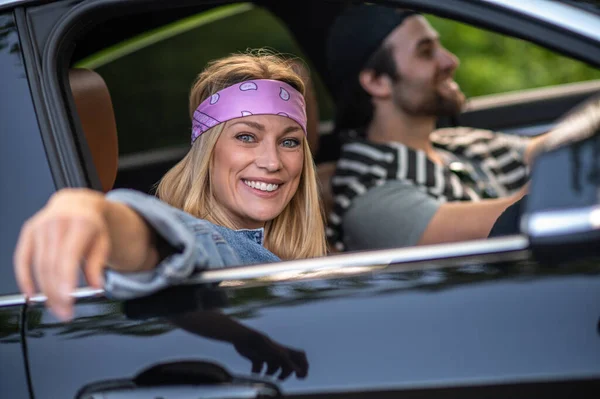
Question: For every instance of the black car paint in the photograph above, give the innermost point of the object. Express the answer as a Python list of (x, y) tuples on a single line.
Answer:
[(470, 326), (13, 374), (25, 185), (482, 327), (26, 180)]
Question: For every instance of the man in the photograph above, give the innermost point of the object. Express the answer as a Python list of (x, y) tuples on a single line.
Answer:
[(399, 182)]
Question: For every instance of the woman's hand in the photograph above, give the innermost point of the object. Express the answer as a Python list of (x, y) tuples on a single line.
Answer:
[(70, 232), (261, 350)]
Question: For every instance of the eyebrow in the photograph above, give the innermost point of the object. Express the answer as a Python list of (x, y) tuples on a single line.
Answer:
[(291, 129), (255, 125), (427, 41), (260, 127)]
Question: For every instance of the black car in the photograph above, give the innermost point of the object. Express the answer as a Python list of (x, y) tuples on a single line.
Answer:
[(514, 316)]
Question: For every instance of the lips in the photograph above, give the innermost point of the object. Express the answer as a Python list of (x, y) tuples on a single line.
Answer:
[(448, 84), (261, 185)]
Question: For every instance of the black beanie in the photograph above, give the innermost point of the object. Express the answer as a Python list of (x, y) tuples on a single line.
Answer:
[(354, 36)]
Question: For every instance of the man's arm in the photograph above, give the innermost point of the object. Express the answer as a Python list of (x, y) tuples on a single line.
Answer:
[(460, 221), (578, 124), (398, 214), (534, 147), (389, 216)]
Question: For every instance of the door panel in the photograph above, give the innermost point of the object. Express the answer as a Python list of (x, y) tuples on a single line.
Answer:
[(379, 333), (13, 377), (527, 112), (25, 180)]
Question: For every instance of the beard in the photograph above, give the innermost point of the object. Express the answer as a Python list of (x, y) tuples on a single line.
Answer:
[(429, 102)]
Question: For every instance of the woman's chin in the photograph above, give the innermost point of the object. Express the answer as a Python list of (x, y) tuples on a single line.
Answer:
[(261, 217)]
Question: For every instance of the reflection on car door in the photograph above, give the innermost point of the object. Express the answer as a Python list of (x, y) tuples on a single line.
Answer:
[(485, 329)]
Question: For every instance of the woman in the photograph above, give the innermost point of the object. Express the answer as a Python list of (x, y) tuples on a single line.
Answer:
[(245, 193)]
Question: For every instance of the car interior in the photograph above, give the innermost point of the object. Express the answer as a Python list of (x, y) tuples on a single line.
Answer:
[(124, 110), (97, 118), (92, 98)]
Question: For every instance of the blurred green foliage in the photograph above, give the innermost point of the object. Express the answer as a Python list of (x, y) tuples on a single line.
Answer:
[(493, 63), (149, 76), (150, 86)]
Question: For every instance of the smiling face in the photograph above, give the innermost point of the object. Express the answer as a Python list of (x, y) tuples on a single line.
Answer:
[(425, 68), (256, 168)]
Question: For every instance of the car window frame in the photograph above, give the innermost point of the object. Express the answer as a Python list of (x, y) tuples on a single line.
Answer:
[(499, 19), (20, 135)]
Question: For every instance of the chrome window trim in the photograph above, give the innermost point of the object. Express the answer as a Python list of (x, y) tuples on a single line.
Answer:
[(555, 13), (391, 260), (79, 293), (12, 3), (388, 257), (7, 301), (8, 2), (562, 222)]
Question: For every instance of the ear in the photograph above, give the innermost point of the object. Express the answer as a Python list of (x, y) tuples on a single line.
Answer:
[(377, 86)]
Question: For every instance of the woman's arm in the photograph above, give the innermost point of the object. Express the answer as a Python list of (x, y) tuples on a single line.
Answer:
[(129, 243), (253, 345), (80, 226)]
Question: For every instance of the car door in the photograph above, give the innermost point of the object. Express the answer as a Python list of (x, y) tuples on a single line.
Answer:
[(480, 319), (344, 328), (528, 112), (25, 184)]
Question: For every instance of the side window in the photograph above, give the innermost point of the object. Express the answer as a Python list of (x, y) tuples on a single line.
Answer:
[(492, 63), (149, 76)]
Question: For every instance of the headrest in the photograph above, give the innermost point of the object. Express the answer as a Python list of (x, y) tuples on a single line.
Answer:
[(325, 172), (97, 117)]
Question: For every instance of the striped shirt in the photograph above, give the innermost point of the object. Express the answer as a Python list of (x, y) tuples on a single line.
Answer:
[(476, 164)]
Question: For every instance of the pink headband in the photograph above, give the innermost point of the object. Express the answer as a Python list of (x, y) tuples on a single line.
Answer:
[(252, 97)]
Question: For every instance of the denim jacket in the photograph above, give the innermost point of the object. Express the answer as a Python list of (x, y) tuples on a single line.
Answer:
[(200, 245)]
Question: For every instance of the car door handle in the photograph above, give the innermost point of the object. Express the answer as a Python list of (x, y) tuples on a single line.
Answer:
[(182, 380), (187, 392)]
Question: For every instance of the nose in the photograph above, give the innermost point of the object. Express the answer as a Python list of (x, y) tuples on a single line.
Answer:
[(268, 157), (448, 61)]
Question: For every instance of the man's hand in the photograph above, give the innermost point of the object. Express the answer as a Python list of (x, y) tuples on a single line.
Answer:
[(579, 124)]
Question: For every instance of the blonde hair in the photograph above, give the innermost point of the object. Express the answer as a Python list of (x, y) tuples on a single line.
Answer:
[(299, 230)]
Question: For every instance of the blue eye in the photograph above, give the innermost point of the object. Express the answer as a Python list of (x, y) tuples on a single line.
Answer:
[(290, 143), (246, 138)]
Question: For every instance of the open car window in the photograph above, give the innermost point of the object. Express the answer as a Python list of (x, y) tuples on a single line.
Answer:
[(513, 85), (492, 63), (149, 75)]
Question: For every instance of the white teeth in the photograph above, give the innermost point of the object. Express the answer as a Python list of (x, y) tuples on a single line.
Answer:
[(262, 186)]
